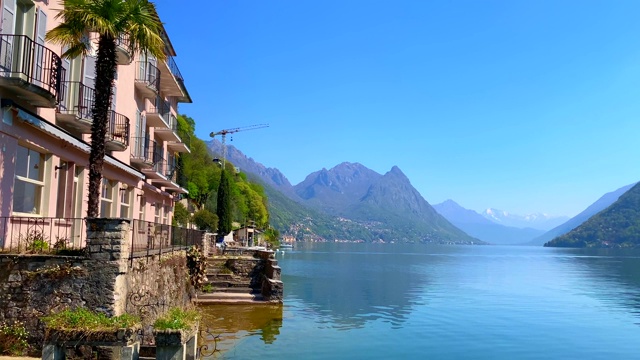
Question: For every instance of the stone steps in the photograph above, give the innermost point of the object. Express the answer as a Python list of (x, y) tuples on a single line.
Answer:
[(230, 298)]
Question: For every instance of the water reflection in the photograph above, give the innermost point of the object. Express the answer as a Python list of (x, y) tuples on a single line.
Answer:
[(344, 286), (233, 322), (610, 275)]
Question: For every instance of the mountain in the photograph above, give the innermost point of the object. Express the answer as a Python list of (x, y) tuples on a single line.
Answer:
[(616, 226), (270, 176), (536, 221), (307, 224), (601, 204), (334, 190), (347, 202), (482, 228), (388, 204)]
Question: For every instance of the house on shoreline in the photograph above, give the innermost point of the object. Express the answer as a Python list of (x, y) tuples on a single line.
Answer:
[(45, 105)]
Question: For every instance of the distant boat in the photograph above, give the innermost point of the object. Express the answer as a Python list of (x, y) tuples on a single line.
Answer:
[(286, 246)]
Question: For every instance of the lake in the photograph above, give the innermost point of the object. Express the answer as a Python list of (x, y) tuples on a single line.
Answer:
[(387, 301)]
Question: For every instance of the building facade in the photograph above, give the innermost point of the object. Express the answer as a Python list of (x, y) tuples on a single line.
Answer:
[(45, 105)]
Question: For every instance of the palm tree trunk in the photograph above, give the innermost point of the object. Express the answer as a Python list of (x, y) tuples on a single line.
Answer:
[(105, 72)]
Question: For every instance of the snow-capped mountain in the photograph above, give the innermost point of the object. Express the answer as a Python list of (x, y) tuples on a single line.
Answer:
[(535, 221)]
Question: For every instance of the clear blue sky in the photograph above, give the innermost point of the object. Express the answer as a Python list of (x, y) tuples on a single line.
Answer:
[(525, 106)]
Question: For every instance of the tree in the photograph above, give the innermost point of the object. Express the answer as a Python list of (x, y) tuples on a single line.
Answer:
[(224, 210), (136, 20), (181, 215), (205, 220)]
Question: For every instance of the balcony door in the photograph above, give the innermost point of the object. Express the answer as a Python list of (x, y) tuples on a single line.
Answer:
[(39, 60), (6, 42), (87, 96)]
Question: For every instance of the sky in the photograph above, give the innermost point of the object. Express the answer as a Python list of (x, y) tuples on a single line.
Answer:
[(523, 106)]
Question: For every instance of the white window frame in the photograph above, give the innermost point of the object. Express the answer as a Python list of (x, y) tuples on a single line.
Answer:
[(39, 208), (125, 202), (107, 196)]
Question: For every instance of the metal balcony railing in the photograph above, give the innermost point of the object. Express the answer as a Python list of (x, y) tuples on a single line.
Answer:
[(23, 58), (150, 238), (119, 128), (173, 123), (148, 74), (50, 235), (144, 149), (76, 98), (173, 67), (162, 108), (41, 235)]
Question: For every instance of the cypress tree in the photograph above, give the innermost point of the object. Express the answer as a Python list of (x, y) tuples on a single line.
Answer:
[(223, 208)]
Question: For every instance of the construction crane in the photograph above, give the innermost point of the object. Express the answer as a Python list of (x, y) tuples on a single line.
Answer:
[(225, 132)]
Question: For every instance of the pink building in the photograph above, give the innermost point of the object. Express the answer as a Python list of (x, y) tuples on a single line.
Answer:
[(45, 106)]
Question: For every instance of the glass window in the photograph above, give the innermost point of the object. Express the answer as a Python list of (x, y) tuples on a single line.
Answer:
[(165, 214), (106, 197), (156, 217), (28, 187), (125, 203), (143, 204), (61, 205)]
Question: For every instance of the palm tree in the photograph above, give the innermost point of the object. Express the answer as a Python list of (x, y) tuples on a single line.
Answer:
[(109, 20)]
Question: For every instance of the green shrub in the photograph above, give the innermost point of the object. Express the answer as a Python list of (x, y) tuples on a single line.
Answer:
[(177, 319), (85, 320), (13, 339)]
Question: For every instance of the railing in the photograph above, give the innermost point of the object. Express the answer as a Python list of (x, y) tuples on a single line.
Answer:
[(148, 74), (144, 149), (162, 108), (22, 57), (76, 98), (166, 167), (123, 41), (173, 123), (150, 239), (118, 128), (158, 161), (41, 235), (173, 67), (38, 235)]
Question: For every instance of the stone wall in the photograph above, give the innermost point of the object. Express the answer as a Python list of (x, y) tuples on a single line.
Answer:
[(32, 286)]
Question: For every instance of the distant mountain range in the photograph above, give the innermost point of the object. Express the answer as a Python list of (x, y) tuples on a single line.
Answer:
[(616, 226), (602, 203), (482, 227), (352, 202), (535, 221), (372, 206)]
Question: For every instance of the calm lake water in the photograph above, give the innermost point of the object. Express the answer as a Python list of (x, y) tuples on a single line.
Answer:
[(387, 301)]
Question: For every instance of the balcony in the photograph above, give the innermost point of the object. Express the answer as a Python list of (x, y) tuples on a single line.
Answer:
[(163, 173), (75, 104), (172, 82), (117, 138), (181, 146), (75, 114), (123, 50), (147, 79), (158, 113), (143, 152), (169, 133), (29, 70)]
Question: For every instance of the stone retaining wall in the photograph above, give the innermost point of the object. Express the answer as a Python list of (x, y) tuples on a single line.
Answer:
[(32, 286)]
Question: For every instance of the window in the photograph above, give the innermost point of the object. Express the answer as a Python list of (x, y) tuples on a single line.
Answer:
[(165, 215), (106, 197), (125, 203), (143, 204), (29, 184), (156, 217), (61, 205)]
